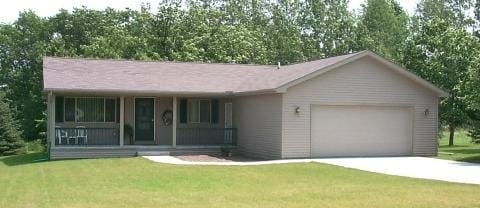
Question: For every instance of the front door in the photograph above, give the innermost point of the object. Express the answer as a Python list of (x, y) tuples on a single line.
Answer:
[(144, 120)]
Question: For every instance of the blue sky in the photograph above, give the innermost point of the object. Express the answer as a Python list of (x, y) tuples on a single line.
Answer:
[(9, 9)]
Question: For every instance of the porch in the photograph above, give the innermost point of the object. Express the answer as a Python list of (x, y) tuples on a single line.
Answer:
[(97, 125)]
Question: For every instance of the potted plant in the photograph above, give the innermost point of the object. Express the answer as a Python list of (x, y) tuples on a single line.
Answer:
[(128, 131), (226, 151)]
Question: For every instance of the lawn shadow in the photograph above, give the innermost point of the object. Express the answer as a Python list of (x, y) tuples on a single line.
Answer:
[(471, 159), (24, 159), (466, 151), (455, 146)]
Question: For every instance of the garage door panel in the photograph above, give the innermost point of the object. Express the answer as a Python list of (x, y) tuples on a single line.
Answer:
[(361, 131)]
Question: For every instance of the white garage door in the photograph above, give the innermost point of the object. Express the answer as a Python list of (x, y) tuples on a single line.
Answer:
[(338, 131)]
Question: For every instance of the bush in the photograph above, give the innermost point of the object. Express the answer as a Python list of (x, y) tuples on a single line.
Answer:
[(32, 146), (474, 131), (10, 141)]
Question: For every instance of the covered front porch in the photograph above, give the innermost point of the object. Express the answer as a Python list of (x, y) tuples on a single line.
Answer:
[(104, 123)]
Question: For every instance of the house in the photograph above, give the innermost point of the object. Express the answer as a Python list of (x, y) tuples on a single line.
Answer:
[(358, 104)]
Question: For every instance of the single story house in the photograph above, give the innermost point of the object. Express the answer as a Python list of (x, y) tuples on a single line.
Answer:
[(358, 104)]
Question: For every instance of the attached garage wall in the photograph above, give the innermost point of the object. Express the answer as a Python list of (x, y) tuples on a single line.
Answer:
[(258, 120), (362, 82)]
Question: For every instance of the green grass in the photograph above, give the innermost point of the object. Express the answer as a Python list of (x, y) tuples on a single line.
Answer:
[(463, 149), (28, 181)]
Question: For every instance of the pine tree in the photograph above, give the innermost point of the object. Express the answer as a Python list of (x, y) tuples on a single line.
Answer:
[(474, 131), (10, 140)]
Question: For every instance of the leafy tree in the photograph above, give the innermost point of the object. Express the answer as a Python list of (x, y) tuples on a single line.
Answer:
[(10, 140), (444, 55), (283, 34), (453, 12), (22, 45), (327, 28), (383, 29)]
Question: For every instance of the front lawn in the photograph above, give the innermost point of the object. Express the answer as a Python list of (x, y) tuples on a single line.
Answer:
[(463, 149), (27, 181)]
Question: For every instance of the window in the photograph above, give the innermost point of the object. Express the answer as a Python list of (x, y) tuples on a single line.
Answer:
[(90, 109), (69, 109), (110, 110), (59, 109), (204, 111), (199, 111), (193, 111)]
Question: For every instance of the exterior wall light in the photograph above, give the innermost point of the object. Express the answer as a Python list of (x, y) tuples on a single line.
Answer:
[(427, 112), (297, 110)]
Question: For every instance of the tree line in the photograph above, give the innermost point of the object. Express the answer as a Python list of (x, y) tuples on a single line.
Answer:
[(439, 42)]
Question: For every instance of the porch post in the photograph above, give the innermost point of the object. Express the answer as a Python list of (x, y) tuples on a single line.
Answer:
[(122, 120), (174, 123), (51, 119)]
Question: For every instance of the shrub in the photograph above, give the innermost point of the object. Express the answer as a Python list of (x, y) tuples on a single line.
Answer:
[(474, 131), (33, 146), (10, 141)]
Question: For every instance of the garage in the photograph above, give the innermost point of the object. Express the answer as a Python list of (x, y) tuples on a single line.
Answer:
[(353, 130)]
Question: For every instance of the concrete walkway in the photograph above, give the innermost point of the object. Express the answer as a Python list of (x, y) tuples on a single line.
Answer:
[(415, 167), (176, 161)]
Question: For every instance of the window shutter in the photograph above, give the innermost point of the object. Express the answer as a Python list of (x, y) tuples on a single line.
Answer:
[(183, 111), (215, 110), (58, 109)]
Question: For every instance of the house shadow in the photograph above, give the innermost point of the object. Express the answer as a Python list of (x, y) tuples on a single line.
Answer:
[(24, 159), (471, 159), (472, 155)]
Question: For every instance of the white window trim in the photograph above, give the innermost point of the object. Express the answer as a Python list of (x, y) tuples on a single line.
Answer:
[(90, 122), (199, 111)]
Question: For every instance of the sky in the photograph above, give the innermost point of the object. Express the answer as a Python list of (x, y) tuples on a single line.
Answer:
[(9, 9)]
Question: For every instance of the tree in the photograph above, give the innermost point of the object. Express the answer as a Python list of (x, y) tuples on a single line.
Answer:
[(474, 131), (10, 140), (453, 12), (444, 55), (383, 29), (283, 33), (22, 45), (442, 50), (327, 28)]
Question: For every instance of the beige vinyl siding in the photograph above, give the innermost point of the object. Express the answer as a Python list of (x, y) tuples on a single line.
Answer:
[(362, 82), (258, 120)]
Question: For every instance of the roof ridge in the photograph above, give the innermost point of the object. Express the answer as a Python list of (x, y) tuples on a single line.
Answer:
[(193, 62), (153, 61), (322, 59)]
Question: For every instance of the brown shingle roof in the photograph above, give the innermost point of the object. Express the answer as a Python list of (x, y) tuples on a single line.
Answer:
[(100, 75)]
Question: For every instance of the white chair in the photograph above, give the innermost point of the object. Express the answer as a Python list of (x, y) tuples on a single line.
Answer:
[(82, 135), (61, 134)]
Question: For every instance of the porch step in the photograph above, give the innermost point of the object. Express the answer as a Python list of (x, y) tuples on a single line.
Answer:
[(153, 153), (58, 153)]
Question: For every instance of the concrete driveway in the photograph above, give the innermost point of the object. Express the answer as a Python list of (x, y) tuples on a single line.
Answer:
[(415, 167)]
